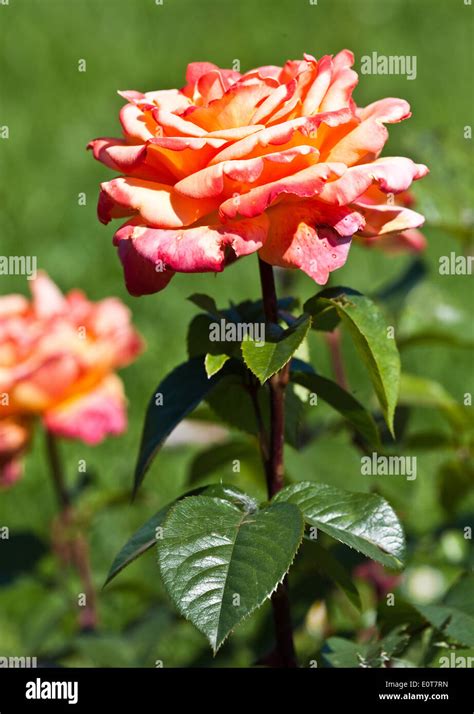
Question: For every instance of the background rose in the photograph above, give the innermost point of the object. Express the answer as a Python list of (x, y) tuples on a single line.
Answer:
[(277, 160), (14, 438), (57, 360)]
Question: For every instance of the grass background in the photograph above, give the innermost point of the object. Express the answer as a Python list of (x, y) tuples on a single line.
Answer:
[(52, 110)]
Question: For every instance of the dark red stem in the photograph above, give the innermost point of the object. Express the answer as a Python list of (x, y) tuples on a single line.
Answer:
[(275, 472), (70, 544)]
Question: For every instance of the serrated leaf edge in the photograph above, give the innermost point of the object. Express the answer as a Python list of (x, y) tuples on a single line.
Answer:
[(248, 339), (216, 647), (401, 563)]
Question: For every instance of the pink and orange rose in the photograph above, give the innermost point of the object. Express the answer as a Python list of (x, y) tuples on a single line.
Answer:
[(58, 356), (278, 161)]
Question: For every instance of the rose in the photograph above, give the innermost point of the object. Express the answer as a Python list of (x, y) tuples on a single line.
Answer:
[(58, 355), (277, 160), (14, 437)]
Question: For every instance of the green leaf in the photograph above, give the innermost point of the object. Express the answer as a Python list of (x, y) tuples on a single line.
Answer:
[(141, 541), (266, 358), (455, 615), (368, 330), (340, 652), (214, 363), (363, 521), (344, 653), (326, 321), (253, 311), (146, 536), (341, 401), (429, 440), (328, 565), (220, 562), (420, 392), (294, 415), (400, 612), (382, 651), (199, 342), (434, 336), (175, 397), (205, 302), (232, 403)]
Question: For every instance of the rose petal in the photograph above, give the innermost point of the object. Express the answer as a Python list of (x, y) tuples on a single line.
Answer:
[(343, 82), (11, 305), (235, 108), (157, 203), (134, 124), (14, 439), (365, 140), (390, 174), (281, 134), (150, 255), (306, 183), (312, 236), (48, 300), (93, 416), (211, 181), (132, 159), (384, 218), (295, 240)]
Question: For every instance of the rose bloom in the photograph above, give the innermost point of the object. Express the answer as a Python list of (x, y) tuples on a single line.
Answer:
[(374, 574), (278, 161), (58, 355)]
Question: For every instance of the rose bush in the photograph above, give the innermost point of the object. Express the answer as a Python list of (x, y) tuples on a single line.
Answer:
[(58, 356), (278, 160)]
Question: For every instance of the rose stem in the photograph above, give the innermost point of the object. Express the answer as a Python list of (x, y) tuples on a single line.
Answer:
[(274, 470), (333, 340), (76, 545)]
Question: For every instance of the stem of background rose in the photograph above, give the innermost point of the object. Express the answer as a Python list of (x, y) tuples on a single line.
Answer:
[(274, 470), (76, 549), (333, 340)]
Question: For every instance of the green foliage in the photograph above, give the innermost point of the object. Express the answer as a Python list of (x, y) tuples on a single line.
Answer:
[(420, 392), (205, 540), (454, 616), (362, 521), (214, 363), (265, 358), (220, 562), (146, 536), (232, 400), (376, 347), (327, 564), (341, 401), (174, 398), (343, 653), (139, 543)]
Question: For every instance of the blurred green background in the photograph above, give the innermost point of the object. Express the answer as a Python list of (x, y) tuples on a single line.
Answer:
[(52, 110)]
